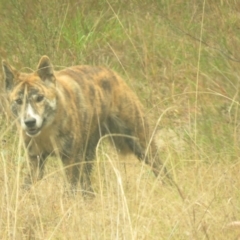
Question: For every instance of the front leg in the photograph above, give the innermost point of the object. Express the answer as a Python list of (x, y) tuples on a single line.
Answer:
[(85, 181), (77, 171), (36, 166)]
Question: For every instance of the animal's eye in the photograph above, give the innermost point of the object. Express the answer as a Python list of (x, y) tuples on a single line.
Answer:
[(39, 98), (19, 101)]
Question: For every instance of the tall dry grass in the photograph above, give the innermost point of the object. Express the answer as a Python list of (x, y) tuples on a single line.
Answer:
[(182, 60)]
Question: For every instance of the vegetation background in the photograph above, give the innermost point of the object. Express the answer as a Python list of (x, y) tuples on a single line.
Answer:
[(182, 60)]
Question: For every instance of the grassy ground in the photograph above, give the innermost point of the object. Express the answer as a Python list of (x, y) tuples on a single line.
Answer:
[(181, 58)]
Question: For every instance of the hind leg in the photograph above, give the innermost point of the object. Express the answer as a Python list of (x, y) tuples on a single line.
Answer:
[(148, 154), (136, 138), (144, 147), (152, 159)]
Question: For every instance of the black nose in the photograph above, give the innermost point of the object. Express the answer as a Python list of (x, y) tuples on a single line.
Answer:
[(30, 122)]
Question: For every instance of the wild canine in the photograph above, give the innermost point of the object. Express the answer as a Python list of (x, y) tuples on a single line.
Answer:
[(66, 112)]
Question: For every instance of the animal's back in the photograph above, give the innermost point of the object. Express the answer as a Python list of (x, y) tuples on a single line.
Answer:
[(103, 93)]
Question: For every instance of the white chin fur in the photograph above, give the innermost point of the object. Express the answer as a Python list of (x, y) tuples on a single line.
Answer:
[(33, 135)]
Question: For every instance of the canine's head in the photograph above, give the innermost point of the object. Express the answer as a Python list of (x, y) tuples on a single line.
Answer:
[(32, 96)]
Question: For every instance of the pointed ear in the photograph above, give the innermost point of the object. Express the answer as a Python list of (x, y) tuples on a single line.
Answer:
[(9, 75), (45, 69)]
